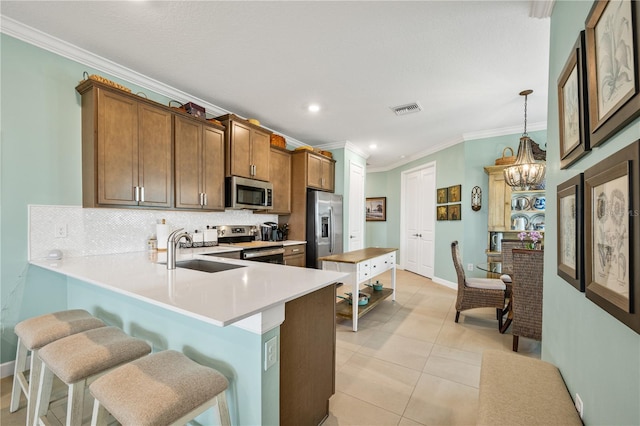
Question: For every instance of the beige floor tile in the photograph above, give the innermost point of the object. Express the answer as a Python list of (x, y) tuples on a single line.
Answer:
[(456, 371), (342, 356), (381, 383), (473, 358), (410, 353), (347, 410), (413, 325), (438, 401), (408, 422), (471, 338)]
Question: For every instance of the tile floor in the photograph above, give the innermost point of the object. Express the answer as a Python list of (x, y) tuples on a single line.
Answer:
[(408, 364)]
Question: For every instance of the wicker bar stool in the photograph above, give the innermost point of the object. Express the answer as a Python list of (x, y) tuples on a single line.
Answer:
[(164, 388), (33, 334), (79, 359), (528, 271)]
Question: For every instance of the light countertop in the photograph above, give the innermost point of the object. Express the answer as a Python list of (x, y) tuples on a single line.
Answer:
[(219, 298), (358, 256)]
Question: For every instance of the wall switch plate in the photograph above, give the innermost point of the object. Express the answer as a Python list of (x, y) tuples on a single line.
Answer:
[(470, 267), (579, 405), (60, 230), (270, 352)]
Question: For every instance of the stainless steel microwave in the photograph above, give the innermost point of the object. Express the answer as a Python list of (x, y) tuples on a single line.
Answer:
[(243, 193)]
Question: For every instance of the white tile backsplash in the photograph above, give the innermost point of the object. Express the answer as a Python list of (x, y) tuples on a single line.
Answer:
[(107, 231)]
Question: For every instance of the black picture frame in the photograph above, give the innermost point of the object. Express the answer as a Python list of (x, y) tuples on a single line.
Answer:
[(570, 237), (573, 108), (442, 196), (454, 193), (442, 212), (454, 212), (611, 110), (376, 209), (612, 234)]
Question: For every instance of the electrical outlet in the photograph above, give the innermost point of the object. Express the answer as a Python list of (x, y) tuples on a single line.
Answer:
[(270, 352), (60, 230), (470, 267), (579, 405)]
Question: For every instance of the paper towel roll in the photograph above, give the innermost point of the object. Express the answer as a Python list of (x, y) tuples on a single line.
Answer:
[(162, 233)]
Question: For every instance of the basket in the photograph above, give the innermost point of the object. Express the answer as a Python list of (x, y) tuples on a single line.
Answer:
[(279, 141), (326, 153), (103, 80), (505, 160)]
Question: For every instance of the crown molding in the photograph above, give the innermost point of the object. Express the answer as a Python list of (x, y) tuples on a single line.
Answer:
[(541, 8), (491, 133)]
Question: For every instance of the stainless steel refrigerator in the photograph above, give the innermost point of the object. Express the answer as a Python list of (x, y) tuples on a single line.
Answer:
[(324, 226)]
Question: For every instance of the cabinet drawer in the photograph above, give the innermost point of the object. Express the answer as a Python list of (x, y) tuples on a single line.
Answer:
[(364, 271), (296, 249), (382, 263)]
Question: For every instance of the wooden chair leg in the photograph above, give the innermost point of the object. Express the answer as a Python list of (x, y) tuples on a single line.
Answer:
[(457, 315), (19, 380), (515, 343), (223, 410), (499, 315)]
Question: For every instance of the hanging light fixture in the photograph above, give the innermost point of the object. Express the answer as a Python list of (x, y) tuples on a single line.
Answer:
[(526, 172)]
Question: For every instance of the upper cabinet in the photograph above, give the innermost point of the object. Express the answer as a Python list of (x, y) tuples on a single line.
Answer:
[(126, 149), (280, 164), (499, 200), (247, 148), (318, 170), (199, 152)]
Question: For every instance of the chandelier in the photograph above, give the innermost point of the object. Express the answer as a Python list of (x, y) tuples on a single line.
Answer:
[(526, 172)]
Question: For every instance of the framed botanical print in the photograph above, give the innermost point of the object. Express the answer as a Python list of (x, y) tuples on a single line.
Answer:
[(613, 51), (572, 106), (442, 213), (442, 196), (454, 212), (454, 194), (570, 232), (612, 235)]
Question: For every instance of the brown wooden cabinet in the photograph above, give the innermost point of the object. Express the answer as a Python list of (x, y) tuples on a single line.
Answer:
[(320, 172), (247, 148), (280, 173), (308, 358), (499, 200), (295, 255), (126, 149), (199, 151)]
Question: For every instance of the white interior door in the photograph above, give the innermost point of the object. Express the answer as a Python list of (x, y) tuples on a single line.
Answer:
[(356, 207), (419, 188)]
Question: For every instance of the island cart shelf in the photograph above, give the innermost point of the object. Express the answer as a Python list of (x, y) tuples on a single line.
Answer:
[(362, 266), (345, 310)]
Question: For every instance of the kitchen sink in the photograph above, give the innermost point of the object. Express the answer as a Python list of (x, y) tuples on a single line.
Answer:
[(206, 266)]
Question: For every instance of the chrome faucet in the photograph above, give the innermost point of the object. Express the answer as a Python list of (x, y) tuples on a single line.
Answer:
[(172, 245)]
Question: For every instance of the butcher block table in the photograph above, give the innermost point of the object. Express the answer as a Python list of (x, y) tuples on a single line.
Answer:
[(362, 265)]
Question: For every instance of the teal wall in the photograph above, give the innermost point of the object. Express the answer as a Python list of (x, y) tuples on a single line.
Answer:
[(41, 164), (599, 357), (461, 164)]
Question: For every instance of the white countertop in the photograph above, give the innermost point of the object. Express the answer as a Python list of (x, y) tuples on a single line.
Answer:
[(219, 298)]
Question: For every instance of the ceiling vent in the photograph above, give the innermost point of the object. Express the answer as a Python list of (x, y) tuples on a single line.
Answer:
[(407, 109)]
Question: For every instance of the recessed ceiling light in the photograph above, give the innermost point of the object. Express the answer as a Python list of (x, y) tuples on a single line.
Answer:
[(373, 146), (314, 108)]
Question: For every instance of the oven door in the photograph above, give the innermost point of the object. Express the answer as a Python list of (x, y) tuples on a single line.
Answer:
[(268, 255)]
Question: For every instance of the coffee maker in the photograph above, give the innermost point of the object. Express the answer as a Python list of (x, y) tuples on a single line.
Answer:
[(269, 231)]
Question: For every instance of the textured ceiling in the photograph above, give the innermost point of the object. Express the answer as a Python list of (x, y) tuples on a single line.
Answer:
[(464, 62)]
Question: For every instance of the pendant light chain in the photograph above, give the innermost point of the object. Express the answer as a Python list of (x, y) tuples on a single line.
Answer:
[(525, 116)]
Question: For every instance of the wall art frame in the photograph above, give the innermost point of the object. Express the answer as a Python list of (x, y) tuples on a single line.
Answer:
[(612, 234), (442, 212), (376, 209), (570, 238), (613, 71), (454, 193), (573, 108), (454, 212), (442, 196)]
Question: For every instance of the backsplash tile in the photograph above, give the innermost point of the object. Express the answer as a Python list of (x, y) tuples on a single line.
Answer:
[(107, 231)]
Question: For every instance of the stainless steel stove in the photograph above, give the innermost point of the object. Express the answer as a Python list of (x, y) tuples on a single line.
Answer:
[(245, 236)]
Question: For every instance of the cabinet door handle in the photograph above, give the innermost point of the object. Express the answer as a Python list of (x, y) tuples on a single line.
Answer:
[(204, 199), (295, 250), (136, 193), (142, 194)]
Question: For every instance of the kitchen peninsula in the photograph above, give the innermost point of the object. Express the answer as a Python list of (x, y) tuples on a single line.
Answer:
[(221, 319)]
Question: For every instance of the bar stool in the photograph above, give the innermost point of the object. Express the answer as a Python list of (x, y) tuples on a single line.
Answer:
[(164, 388), (33, 334), (79, 359)]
